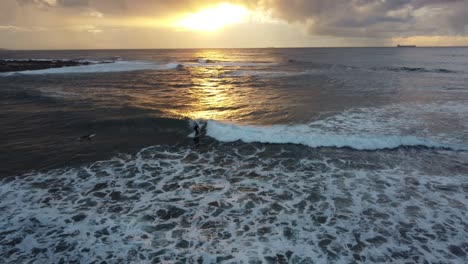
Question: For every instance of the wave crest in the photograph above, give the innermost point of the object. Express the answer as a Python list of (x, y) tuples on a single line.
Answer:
[(308, 136)]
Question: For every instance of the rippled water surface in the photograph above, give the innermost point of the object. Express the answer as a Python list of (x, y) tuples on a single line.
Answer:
[(307, 156)]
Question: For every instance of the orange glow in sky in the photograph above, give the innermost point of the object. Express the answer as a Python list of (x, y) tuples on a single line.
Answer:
[(214, 18)]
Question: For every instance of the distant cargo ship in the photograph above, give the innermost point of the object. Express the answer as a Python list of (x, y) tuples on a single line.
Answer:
[(406, 46)]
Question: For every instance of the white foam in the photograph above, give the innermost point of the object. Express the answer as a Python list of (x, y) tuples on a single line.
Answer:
[(246, 203), (117, 66), (375, 128), (125, 66), (308, 136)]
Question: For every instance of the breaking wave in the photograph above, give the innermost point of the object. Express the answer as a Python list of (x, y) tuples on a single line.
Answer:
[(309, 136), (117, 66), (126, 66)]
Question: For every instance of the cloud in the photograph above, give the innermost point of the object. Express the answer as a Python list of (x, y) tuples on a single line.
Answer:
[(55, 3), (372, 18), (123, 7), (338, 18)]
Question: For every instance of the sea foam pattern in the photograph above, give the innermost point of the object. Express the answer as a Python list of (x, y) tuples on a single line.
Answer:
[(241, 204)]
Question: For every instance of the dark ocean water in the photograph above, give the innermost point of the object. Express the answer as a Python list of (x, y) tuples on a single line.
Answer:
[(308, 156)]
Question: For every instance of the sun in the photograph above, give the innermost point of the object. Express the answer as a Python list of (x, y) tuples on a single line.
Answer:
[(214, 18)]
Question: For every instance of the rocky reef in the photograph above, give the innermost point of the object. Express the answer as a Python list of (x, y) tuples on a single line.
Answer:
[(29, 65)]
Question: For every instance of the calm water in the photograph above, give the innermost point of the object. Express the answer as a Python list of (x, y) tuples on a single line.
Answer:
[(309, 156)]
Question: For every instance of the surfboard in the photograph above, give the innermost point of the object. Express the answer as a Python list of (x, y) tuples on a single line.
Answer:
[(202, 126)]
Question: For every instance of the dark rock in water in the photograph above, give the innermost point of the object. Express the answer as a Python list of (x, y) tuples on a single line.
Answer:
[(30, 65), (456, 250), (79, 217)]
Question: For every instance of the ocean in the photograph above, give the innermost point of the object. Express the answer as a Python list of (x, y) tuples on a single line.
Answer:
[(307, 155)]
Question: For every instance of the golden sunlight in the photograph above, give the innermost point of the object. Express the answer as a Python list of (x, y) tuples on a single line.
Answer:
[(214, 18)]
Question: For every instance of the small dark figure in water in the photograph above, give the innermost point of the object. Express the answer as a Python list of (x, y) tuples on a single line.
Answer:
[(197, 130), (87, 137)]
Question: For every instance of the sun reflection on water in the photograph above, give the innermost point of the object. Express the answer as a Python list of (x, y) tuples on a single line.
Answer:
[(212, 97), (205, 88)]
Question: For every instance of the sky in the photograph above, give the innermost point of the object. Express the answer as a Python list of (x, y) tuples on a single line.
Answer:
[(134, 24)]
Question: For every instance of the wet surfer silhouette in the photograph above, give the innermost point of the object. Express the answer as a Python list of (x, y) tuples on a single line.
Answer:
[(197, 130)]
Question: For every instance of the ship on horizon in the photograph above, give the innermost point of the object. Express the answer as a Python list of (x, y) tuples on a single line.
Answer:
[(406, 46)]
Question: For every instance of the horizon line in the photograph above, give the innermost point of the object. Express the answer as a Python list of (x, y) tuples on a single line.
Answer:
[(272, 47)]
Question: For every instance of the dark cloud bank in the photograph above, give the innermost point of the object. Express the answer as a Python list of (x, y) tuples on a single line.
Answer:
[(356, 18)]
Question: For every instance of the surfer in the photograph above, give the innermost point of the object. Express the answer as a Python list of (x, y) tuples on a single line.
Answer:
[(197, 130), (87, 137)]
